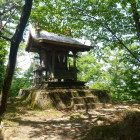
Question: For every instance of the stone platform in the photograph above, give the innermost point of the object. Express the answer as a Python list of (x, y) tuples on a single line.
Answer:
[(67, 99)]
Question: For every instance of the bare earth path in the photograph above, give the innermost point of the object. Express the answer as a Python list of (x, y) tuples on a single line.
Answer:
[(23, 123)]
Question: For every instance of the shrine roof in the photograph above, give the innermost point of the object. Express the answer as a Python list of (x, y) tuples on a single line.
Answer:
[(38, 37)]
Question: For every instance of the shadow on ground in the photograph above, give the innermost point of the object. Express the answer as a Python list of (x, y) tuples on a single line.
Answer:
[(68, 128), (114, 123)]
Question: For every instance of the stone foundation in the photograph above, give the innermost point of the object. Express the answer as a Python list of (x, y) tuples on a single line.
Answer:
[(77, 99)]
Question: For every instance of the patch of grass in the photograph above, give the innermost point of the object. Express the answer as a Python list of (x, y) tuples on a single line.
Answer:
[(1, 138), (15, 108), (50, 113), (10, 123)]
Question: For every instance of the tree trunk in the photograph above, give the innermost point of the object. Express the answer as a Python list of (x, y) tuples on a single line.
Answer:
[(15, 41)]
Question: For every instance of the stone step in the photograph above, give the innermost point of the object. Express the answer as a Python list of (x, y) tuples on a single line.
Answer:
[(84, 97), (84, 100), (88, 106), (82, 93)]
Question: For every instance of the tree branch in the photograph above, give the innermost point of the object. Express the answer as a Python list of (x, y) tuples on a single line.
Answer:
[(105, 25), (7, 10), (6, 38), (7, 20), (119, 40)]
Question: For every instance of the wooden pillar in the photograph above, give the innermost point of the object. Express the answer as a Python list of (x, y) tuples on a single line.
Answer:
[(34, 76), (53, 65), (48, 63), (43, 58), (74, 64)]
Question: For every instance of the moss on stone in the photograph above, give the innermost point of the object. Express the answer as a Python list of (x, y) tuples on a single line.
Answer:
[(61, 98), (30, 100)]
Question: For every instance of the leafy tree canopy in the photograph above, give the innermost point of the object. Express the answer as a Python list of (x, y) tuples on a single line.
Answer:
[(110, 22)]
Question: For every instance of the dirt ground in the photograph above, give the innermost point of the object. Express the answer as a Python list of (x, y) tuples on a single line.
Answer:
[(23, 123)]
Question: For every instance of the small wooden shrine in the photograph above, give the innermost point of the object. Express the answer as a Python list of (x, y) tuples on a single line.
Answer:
[(56, 60)]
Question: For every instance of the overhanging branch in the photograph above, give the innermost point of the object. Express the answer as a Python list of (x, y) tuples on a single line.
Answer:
[(119, 40), (6, 38), (7, 10), (8, 20), (105, 25)]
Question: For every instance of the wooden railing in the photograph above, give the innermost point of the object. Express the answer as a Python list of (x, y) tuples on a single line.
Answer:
[(38, 78)]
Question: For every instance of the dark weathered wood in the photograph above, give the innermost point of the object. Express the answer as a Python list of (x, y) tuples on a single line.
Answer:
[(64, 74), (35, 47), (48, 44), (66, 84), (74, 64), (53, 63)]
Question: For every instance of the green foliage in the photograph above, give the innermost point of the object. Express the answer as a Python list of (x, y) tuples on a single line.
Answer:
[(3, 53), (9, 16), (124, 76), (91, 70), (21, 81), (114, 72)]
